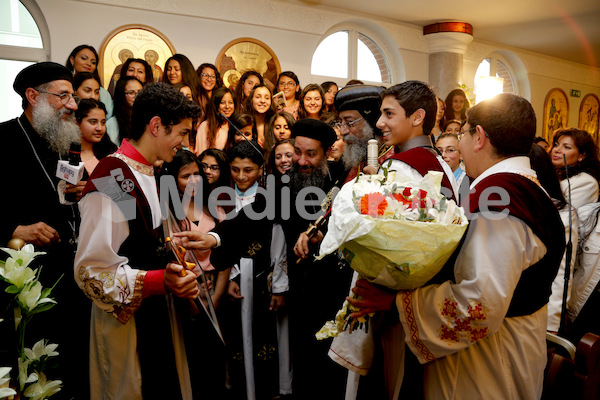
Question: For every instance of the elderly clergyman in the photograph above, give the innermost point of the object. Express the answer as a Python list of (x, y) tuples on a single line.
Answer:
[(32, 146)]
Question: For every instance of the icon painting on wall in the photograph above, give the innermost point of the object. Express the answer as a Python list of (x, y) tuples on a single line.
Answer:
[(556, 113), (243, 54), (133, 41), (588, 115)]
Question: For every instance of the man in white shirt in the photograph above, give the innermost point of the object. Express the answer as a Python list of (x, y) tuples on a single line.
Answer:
[(481, 333)]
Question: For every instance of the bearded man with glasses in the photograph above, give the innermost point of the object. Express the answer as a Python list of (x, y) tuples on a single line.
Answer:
[(33, 144)]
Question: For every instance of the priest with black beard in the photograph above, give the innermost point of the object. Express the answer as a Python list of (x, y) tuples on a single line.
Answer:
[(358, 107), (317, 288), (33, 144)]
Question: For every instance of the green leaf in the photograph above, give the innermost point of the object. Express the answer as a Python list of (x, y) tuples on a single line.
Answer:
[(42, 308), (12, 289)]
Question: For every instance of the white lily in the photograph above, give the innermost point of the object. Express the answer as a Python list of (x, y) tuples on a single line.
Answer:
[(23, 377), (5, 391), (17, 274), (26, 254), (30, 296), (40, 349), (42, 389)]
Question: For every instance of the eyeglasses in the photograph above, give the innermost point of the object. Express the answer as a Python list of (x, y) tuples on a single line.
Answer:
[(211, 167), (132, 93), (335, 124), (450, 150), (290, 84), (64, 97), (462, 133), (207, 76), (350, 124)]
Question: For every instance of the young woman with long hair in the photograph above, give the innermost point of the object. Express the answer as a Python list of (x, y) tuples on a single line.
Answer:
[(260, 105), (214, 130), (249, 80)]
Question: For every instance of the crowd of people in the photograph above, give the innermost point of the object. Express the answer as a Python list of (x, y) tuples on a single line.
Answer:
[(244, 174)]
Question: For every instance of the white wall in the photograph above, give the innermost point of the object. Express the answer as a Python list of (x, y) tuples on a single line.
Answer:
[(200, 28)]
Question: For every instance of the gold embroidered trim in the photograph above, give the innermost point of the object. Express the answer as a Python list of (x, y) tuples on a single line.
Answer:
[(530, 177), (137, 166), (124, 314), (383, 150)]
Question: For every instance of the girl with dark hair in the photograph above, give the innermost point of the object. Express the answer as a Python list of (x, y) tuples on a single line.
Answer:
[(279, 160), (289, 84), (86, 85), (311, 102), (209, 80), (138, 68), (185, 170), (330, 89), (245, 124), (576, 148), (119, 126), (249, 80), (215, 165), (437, 129), (278, 128), (213, 132), (179, 69), (133, 67), (95, 144), (260, 105), (457, 105), (84, 58)]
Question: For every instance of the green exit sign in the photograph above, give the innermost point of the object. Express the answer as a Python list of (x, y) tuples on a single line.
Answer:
[(575, 93)]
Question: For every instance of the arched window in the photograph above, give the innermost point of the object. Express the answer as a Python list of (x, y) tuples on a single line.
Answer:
[(350, 54), (23, 39), (493, 77)]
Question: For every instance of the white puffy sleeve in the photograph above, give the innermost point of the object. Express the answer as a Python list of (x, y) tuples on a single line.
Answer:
[(102, 274)]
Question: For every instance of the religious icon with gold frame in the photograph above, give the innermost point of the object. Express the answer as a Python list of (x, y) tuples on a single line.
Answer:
[(243, 54), (589, 116), (133, 41), (556, 113)]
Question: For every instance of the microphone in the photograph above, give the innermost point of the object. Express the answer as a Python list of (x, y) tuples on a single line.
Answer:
[(372, 153), (568, 256), (71, 170)]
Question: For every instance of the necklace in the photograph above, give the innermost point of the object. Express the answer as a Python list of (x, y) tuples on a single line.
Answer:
[(71, 223), (36, 155)]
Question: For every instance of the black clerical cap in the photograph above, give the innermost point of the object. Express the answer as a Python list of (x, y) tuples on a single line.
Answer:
[(315, 129), (362, 98), (37, 74)]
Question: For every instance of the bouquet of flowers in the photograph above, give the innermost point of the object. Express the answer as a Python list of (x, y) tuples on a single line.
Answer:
[(393, 231), (27, 298)]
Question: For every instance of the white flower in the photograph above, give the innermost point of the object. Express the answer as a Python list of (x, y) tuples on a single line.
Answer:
[(42, 389), (5, 391), (23, 378), (30, 296), (26, 254), (40, 349), (17, 274)]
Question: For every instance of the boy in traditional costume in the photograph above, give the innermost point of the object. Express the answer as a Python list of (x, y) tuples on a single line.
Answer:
[(482, 332), (121, 263)]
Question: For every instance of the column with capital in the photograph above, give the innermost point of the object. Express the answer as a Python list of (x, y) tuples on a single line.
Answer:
[(448, 43)]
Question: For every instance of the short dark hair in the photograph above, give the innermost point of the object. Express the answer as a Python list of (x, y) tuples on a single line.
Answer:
[(539, 139), (508, 120), (412, 95), (164, 101), (249, 150)]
